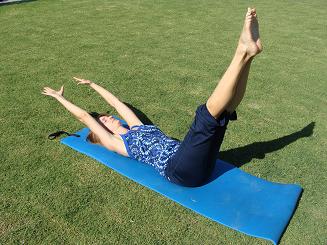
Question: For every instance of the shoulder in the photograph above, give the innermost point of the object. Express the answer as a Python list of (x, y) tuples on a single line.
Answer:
[(115, 144)]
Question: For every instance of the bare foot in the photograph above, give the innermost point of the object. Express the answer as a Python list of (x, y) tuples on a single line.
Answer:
[(250, 39)]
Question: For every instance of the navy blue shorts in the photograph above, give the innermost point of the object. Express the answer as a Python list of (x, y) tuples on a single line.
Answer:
[(195, 159)]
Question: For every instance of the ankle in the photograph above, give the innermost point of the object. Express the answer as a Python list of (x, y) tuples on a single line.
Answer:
[(241, 50), (242, 55)]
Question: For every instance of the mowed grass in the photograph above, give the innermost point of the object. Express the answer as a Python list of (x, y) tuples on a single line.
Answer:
[(164, 58)]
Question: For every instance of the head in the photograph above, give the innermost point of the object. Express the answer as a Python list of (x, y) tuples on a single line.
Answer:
[(109, 123)]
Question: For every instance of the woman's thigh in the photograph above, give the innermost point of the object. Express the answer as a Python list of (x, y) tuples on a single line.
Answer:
[(195, 159)]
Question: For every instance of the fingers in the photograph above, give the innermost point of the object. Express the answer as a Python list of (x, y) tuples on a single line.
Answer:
[(78, 79), (81, 81), (47, 89), (45, 92)]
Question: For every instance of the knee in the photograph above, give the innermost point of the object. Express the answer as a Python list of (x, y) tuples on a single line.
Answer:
[(212, 109)]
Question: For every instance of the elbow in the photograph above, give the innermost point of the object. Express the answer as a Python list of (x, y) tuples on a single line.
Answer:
[(83, 117), (116, 104)]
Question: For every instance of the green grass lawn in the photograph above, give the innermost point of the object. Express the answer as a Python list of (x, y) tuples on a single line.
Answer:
[(164, 58)]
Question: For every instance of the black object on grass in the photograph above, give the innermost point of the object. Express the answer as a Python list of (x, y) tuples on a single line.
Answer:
[(58, 133)]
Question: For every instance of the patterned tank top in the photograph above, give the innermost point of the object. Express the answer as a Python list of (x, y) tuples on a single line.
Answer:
[(148, 144)]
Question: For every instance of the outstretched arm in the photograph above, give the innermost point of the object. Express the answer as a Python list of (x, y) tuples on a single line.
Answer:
[(124, 111), (106, 138)]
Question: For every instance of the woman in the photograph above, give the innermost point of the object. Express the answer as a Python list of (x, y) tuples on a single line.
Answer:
[(190, 162)]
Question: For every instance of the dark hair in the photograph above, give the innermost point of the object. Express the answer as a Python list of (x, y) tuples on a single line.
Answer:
[(92, 137)]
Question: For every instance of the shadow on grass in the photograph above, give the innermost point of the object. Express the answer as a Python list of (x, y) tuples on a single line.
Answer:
[(144, 119), (9, 2), (242, 155), (239, 156)]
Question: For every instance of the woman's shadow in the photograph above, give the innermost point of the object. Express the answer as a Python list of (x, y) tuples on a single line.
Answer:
[(144, 119), (241, 155), (10, 2), (244, 154)]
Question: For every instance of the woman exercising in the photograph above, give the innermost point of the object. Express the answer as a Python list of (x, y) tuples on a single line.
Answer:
[(190, 162)]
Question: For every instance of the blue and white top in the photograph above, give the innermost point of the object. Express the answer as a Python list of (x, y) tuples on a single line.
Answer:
[(148, 144)]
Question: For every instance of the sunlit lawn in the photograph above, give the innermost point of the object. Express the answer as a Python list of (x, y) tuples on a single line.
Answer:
[(163, 58)]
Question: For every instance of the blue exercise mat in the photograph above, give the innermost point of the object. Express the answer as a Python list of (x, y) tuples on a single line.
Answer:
[(232, 197)]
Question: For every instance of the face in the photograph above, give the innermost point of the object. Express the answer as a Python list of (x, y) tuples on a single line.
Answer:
[(111, 123)]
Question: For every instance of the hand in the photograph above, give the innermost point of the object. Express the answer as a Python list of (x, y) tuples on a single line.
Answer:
[(50, 92), (82, 81)]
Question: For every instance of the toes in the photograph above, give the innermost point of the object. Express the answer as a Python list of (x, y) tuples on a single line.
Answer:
[(249, 17), (251, 12), (248, 12), (254, 12)]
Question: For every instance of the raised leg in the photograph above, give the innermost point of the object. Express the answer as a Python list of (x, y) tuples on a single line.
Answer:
[(249, 46), (240, 88)]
